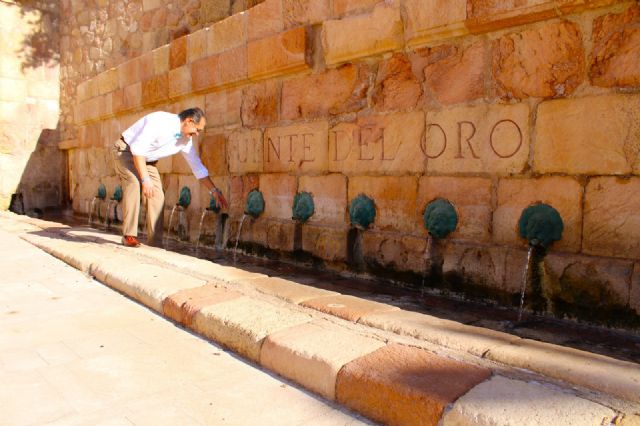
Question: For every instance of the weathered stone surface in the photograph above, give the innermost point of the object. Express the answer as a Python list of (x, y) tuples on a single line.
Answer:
[(223, 108), (288, 290), (180, 81), (471, 197), (278, 191), (183, 305), (213, 154), (456, 74), (197, 45), (634, 297), (243, 323), (347, 307), (108, 81), (630, 420), (232, 67), (132, 96), (312, 354), (280, 235), (396, 88), (394, 198), (483, 138), (398, 253), (378, 144), (506, 401), (260, 104), (335, 91), (607, 143), (178, 53), (155, 89), (479, 266), (545, 62), (129, 73), (586, 283), (204, 73), (327, 243), (240, 187), (345, 7), (329, 197), (227, 34), (611, 217), (304, 12), (297, 149), (264, 19), (434, 20), (146, 66), (244, 151), (278, 54), (562, 193), (616, 39), (363, 35), (161, 60), (403, 385)]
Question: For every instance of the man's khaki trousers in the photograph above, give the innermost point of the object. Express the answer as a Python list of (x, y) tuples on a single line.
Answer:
[(129, 179)]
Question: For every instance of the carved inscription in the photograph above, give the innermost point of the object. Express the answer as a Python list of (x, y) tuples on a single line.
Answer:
[(245, 151), (297, 149), (477, 139)]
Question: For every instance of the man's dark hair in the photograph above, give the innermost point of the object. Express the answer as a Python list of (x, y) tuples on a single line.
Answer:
[(194, 113)]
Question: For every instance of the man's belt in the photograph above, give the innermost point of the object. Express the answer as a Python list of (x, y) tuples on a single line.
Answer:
[(149, 163)]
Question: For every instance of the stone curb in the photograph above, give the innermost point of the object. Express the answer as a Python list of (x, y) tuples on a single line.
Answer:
[(386, 381)]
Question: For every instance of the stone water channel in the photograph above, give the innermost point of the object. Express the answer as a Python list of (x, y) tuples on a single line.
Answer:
[(615, 343)]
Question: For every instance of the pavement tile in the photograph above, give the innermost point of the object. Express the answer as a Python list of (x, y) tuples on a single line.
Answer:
[(404, 385), (347, 307), (243, 323), (312, 354), (183, 305), (288, 290), (507, 402)]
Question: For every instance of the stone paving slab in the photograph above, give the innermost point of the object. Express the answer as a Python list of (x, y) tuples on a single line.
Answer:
[(402, 385), (312, 354), (503, 401), (289, 339), (288, 290)]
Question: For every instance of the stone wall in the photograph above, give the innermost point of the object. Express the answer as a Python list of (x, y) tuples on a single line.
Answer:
[(30, 162), (493, 105)]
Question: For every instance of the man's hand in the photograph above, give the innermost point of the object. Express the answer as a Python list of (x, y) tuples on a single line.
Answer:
[(220, 200), (147, 187)]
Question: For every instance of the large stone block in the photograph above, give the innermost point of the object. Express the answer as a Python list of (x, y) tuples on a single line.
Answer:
[(335, 91), (178, 53), (397, 87), (108, 81), (260, 104), (278, 191), (213, 154), (455, 74), (612, 218), (264, 19), (348, 7), (155, 90), (562, 193), (244, 151), (232, 67), (204, 73), (304, 12), (227, 34), (395, 252), (280, 235), (605, 143), (363, 35), (300, 148), (479, 266), (395, 200), (146, 66), (329, 198), (223, 108), (478, 139), (327, 243), (378, 144), (197, 45), (180, 81), (279, 54), (616, 48), (545, 62), (470, 196), (129, 73), (434, 20), (161, 60), (132, 96)]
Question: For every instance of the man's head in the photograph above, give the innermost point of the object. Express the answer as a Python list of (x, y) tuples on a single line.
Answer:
[(192, 121)]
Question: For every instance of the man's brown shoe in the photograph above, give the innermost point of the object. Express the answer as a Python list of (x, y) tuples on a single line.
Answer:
[(130, 241)]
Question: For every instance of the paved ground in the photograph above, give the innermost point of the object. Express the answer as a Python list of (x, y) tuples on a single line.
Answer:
[(74, 352)]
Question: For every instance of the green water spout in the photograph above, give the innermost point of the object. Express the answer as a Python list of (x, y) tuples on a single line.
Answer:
[(255, 204), (117, 194), (303, 207), (185, 197), (541, 225), (362, 211), (440, 218), (102, 192)]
